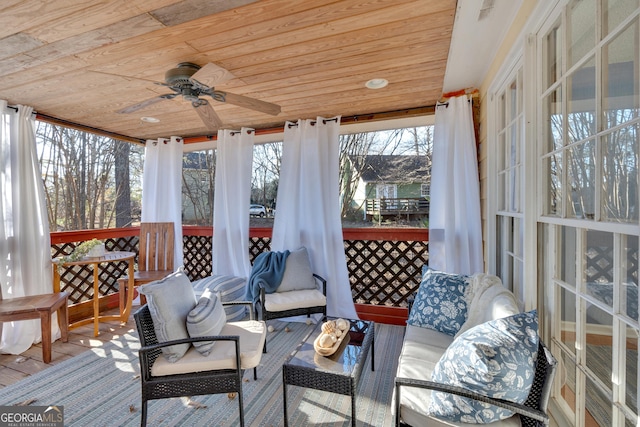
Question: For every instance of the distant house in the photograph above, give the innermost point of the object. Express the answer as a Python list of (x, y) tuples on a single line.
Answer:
[(389, 185)]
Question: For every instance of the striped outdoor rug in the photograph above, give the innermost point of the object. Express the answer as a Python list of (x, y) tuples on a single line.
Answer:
[(101, 387)]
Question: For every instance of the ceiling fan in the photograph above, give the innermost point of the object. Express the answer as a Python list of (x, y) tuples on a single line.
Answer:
[(191, 81)]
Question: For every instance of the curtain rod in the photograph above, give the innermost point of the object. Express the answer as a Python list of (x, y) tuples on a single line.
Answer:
[(313, 122), (235, 132)]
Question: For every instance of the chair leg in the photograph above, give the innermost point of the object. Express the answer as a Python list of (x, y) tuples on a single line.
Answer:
[(255, 373), (143, 414), (241, 406)]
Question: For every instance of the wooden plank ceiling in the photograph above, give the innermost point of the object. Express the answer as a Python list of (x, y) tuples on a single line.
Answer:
[(82, 61)]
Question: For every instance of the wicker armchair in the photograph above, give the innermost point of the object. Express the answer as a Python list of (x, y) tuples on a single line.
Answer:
[(308, 303), (533, 412), (200, 382)]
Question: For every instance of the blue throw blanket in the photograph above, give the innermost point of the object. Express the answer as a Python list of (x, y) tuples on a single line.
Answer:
[(268, 269)]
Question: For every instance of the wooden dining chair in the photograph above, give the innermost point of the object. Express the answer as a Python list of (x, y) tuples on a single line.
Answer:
[(155, 257)]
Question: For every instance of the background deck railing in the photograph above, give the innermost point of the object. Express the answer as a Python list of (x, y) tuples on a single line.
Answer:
[(384, 264)]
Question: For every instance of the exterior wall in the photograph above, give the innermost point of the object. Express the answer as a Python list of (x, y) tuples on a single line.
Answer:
[(501, 57), (402, 190)]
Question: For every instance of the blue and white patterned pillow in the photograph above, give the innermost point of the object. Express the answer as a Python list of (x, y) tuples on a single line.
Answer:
[(205, 320), (496, 359), (230, 288), (440, 302)]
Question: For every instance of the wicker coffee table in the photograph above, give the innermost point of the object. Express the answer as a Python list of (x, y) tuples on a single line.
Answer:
[(338, 373)]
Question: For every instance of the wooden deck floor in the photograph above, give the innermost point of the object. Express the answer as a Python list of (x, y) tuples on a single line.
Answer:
[(14, 368)]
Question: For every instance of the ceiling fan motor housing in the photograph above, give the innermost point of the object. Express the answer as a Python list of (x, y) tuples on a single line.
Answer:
[(181, 74)]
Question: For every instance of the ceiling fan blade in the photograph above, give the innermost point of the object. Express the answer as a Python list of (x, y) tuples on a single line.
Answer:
[(140, 105), (212, 75), (251, 103), (207, 115)]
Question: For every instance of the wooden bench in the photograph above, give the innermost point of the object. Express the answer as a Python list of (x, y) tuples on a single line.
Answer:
[(42, 307)]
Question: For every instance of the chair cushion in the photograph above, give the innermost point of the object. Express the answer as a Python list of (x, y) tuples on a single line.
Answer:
[(230, 288), (281, 301), (495, 359), (170, 300), (252, 336), (440, 303), (297, 272), (206, 319)]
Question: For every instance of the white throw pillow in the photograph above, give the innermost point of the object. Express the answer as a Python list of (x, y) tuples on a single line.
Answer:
[(170, 300), (297, 272), (206, 319)]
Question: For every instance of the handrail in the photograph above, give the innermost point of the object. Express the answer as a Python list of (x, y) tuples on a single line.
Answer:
[(365, 233)]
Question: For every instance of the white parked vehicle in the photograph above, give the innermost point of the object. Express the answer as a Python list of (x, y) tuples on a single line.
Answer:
[(257, 210)]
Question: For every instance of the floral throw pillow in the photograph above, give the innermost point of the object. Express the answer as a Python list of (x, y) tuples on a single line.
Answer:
[(440, 303), (495, 359)]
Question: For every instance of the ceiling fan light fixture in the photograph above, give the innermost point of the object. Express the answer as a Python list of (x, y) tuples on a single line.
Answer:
[(148, 119), (376, 83)]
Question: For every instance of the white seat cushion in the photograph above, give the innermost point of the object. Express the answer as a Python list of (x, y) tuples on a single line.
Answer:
[(252, 336), (281, 301), (421, 351)]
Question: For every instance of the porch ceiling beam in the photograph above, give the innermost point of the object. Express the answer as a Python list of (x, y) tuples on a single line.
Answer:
[(361, 118)]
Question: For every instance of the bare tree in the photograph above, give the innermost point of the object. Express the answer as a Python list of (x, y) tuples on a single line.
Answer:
[(198, 174), (78, 173)]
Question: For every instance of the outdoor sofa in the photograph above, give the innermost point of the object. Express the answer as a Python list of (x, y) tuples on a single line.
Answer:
[(470, 356)]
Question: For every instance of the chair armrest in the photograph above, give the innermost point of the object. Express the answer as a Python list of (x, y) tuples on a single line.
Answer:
[(150, 353), (250, 304), (323, 282), (189, 341), (430, 385)]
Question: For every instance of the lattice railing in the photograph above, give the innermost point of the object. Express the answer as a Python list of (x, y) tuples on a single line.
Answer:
[(384, 267), (384, 272)]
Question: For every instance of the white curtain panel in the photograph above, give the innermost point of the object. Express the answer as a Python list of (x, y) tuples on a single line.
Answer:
[(25, 242), (455, 233), (162, 187), (308, 206), (234, 159)]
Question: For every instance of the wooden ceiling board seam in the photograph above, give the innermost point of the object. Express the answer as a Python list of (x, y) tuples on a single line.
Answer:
[(25, 15), (184, 32), (331, 44), (285, 28)]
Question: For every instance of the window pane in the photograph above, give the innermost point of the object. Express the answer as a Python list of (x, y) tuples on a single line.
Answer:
[(631, 360), (582, 29), (502, 148), (569, 387), (598, 350), (552, 49), (598, 404), (567, 265), (629, 292), (552, 114), (501, 191), (513, 101), (614, 12), (598, 263), (620, 78), (552, 170), (582, 180), (568, 313), (620, 175), (581, 123)]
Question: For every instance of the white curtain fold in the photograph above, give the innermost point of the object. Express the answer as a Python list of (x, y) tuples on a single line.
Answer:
[(308, 206), (455, 230), (25, 241), (162, 187), (232, 196)]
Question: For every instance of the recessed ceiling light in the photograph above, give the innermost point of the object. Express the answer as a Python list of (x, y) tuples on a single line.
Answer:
[(376, 83), (150, 119)]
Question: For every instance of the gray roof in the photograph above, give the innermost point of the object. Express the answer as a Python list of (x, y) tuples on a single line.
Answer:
[(397, 169)]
